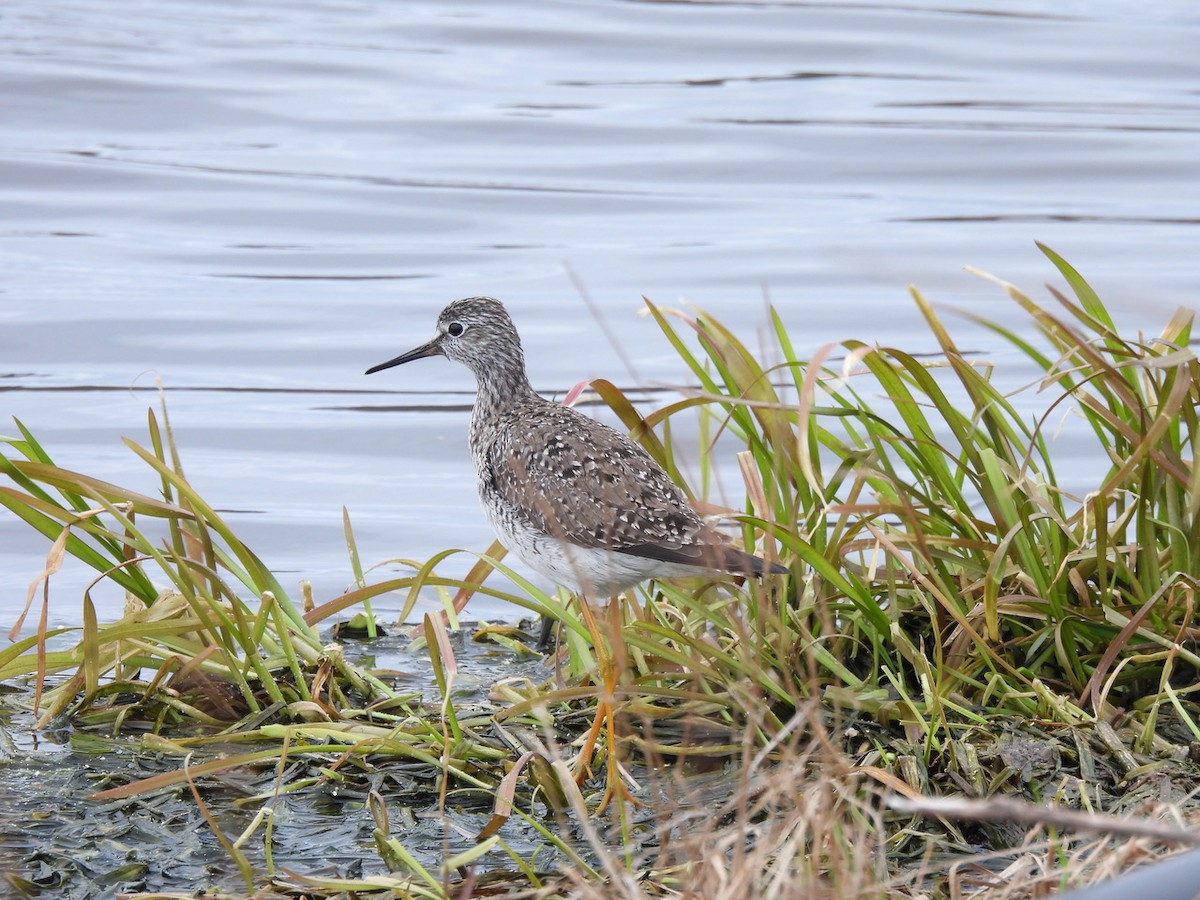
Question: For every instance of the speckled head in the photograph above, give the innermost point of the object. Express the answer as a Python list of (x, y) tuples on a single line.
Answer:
[(476, 332)]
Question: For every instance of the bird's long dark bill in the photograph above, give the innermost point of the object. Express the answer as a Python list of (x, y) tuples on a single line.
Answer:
[(433, 348)]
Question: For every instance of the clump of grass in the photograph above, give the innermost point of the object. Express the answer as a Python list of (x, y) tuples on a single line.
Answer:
[(940, 568), (791, 819), (192, 651)]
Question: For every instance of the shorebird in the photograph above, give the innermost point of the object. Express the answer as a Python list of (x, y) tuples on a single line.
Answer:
[(576, 500)]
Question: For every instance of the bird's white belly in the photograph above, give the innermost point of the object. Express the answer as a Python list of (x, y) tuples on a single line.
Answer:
[(591, 570)]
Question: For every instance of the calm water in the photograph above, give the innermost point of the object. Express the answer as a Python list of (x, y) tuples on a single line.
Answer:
[(256, 201)]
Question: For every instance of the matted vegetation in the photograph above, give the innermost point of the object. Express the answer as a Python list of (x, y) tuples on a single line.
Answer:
[(955, 625)]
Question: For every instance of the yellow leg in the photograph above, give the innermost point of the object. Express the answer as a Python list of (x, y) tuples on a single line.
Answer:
[(604, 662), (609, 667)]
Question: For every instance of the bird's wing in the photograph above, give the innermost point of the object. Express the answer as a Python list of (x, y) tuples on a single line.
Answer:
[(576, 479)]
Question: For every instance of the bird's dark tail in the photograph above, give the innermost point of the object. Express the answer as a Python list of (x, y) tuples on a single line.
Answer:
[(749, 564)]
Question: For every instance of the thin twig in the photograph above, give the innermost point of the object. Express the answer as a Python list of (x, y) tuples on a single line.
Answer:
[(1001, 809)]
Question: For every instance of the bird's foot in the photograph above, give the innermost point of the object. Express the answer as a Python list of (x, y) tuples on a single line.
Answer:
[(616, 785)]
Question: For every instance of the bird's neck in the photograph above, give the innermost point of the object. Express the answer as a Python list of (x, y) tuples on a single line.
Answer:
[(500, 386)]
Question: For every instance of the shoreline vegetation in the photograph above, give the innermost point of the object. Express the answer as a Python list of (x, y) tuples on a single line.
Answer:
[(971, 683)]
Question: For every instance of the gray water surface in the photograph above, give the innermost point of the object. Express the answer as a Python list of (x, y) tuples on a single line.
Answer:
[(256, 201)]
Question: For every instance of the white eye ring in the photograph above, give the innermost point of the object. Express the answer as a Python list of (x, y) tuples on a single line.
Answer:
[(455, 329)]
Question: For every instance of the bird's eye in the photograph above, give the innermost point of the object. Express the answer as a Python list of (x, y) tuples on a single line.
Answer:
[(455, 329)]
